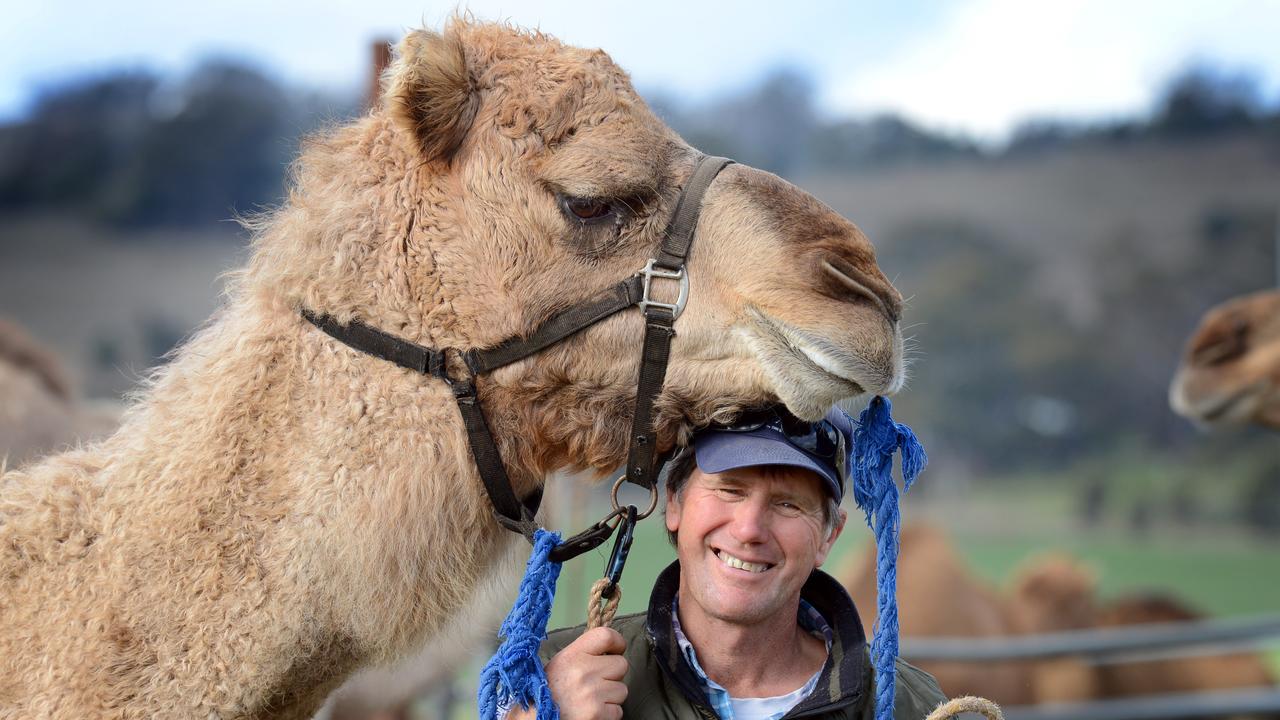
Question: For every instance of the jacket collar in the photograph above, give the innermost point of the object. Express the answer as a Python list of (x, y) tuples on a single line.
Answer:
[(844, 677)]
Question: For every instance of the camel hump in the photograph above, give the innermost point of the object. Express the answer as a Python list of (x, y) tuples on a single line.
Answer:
[(1147, 607)]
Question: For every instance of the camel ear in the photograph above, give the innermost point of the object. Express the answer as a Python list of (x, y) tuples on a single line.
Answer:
[(430, 92)]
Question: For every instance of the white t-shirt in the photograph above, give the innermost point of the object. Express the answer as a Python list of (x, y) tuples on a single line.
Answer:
[(771, 707)]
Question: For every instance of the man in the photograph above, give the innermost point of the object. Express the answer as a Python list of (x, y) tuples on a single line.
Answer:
[(743, 625)]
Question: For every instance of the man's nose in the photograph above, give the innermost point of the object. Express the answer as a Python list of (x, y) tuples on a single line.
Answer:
[(750, 522)]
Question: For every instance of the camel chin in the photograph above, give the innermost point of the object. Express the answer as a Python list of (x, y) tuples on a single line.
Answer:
[(809, 374), (1218, 406)]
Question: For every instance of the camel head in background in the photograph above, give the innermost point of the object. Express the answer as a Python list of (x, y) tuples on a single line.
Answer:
[(1230, 370)]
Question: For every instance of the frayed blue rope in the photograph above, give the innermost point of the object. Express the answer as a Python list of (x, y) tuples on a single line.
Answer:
[(515, 674), (875, 439)]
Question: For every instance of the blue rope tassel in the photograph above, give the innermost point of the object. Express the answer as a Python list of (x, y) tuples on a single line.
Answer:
[(514, 674), (875, 439)]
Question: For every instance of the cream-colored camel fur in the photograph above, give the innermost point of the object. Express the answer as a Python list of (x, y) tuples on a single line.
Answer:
[(279, 510), (1230, 370), (39, 410)]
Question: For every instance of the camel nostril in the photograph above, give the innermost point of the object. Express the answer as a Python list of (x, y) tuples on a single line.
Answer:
[(1222, 348), (880, 293)]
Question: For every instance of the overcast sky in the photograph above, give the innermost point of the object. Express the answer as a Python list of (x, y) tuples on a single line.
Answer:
[(974, 66)]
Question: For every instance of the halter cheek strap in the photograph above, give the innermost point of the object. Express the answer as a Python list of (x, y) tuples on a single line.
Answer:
[(643, 462)]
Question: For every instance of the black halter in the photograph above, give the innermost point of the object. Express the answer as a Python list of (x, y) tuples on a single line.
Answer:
[(643, 464)]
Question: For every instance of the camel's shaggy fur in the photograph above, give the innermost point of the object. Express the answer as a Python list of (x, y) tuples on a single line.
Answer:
[(1230, 370), (279, 510)]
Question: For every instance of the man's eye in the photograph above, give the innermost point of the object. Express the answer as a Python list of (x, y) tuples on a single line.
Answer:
[(587, 208)]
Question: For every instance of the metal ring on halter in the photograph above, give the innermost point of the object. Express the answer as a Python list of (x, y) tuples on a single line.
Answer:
[(653, 498)]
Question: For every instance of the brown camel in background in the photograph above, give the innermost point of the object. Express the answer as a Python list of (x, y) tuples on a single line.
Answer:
[(279, 511), (1230, 369), (1057, 592), (1174, 675), (939, 596), (39, 409)]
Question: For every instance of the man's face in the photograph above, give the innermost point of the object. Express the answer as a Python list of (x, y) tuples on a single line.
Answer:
[(747, 539)]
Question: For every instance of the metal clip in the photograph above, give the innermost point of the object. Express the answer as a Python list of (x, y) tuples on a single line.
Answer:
[(621, 549), (650, 272)]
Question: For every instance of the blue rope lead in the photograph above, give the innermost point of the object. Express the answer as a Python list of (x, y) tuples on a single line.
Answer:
[(876, 438), (515, 674)]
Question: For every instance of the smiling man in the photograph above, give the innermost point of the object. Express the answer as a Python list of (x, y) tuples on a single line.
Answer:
[(743, 625)]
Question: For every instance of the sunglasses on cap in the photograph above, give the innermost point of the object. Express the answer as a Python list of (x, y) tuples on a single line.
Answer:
[(820, 439)]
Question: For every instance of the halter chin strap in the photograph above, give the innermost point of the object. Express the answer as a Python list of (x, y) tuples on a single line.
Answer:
[(643, 462)]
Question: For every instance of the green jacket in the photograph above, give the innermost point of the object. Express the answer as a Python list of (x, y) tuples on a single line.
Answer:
[(661, 684)]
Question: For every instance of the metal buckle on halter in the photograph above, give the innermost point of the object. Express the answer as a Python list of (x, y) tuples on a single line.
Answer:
[(650, 272)]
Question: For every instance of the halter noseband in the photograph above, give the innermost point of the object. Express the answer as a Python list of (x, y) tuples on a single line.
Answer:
[(643, 463)]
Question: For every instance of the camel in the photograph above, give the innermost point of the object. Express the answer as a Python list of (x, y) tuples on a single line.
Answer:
[(1057, 592), (279, 510), (939, 596), (1230, 369), (1051, 593), (39, 408), (1174, 675)]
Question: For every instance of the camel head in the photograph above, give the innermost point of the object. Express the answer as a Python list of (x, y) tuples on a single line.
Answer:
[(1053, 592), (524, 176), (1230, 370)]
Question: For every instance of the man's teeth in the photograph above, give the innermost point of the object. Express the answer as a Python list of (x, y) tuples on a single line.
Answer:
[(740, 564)]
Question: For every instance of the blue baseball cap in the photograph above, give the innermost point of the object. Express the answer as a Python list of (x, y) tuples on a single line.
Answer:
[(773, 436)]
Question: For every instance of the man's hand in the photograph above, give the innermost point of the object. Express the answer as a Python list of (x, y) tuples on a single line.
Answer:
[(586, 678)]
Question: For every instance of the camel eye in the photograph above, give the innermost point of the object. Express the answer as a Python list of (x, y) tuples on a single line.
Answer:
[(587, 208)]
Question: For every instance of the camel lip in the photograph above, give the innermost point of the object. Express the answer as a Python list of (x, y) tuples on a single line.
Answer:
[(1225, 407)]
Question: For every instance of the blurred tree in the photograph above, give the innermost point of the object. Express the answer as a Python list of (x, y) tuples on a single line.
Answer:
[(1203, 99), (128, 149), (76, 137), (880, 141), (222, 151)]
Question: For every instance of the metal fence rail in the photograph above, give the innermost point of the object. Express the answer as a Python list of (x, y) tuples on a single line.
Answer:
[(1120, 644), (1162, 707)]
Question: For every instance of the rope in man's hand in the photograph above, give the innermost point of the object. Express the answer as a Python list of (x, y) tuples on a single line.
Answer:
[(600, 610), (967, 704)]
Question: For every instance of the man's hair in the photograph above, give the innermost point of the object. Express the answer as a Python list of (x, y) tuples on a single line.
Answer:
[(681, 468)]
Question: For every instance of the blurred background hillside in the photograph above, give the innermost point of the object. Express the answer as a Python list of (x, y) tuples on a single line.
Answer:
[(1054, 265)]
